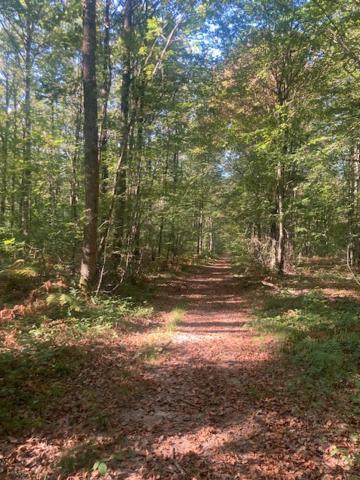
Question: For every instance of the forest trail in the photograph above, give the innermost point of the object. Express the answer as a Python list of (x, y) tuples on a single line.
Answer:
[(214, 405), (192, 391)]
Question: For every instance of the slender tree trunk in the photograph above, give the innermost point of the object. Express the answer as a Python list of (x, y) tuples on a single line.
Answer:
[(160, 237), (282, 89), (74, 168), (120, 184), (105, 92), (273, 241), (53, 177), (165, 193), (5, 151), (199, 230), (280, 258), (26, 174), (88, 263), (353, 250), (211, 239), (74, 183), (14, 151), (115, 217), (139, 151)]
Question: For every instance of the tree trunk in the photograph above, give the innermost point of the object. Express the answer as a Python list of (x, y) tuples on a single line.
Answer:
[(283, 93), (115, 217), (74, 183), (137, 219), (88, 263), (353, 250), (26, 174), (211, 237), (107, 73), (280, 254), (273, 241), (120, 184), (5, 151), (14, 151)]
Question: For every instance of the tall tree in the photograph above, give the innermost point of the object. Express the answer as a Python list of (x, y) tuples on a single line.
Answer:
[(88, 262)]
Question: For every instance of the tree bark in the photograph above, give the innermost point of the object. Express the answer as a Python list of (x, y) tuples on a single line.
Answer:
[(116, 214), (5, 151), (282, 91), (353, 250), (89, 255), (26, 174), (14, 151), (105, 92), (120, 183), (74, 182), (280, 254)]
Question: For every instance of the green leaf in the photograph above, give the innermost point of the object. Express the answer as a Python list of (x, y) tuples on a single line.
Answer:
[(9, 241), (101, 467)]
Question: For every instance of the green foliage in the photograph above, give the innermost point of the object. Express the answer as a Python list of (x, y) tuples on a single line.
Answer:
[(100, 467), (247, 255), (79, 318), (155, 342), (321, 338), (286, 97), (65, 301), (34, 380), (176, 316), (16, 281), (82, 456), (35, 373), (19, 272)]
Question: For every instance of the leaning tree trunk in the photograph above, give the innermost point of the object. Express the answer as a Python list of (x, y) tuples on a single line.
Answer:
[(88, 262)]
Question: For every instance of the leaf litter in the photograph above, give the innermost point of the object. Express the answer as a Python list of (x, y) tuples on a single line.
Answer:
[(210, 403)]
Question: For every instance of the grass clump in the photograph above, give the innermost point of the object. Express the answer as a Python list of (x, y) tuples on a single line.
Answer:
[(321, 338), (80, 457), (176, 316), (156, 341)]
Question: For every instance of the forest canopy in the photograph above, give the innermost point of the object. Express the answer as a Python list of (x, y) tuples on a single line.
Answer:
[(166, 130)]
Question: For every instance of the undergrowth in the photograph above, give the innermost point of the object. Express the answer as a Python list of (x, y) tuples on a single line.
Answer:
[(47, 342), (321, 339), (157, 340)]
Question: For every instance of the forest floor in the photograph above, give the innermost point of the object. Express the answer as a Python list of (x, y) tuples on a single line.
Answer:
[(229, 378)]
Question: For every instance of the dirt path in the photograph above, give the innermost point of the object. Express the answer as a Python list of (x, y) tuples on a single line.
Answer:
[(214, 405)]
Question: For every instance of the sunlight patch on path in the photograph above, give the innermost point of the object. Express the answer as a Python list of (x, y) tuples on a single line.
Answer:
[(181, 337)]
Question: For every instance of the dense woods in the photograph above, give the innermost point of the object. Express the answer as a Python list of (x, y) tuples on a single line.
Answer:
[(222, 126), (142, 138)]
